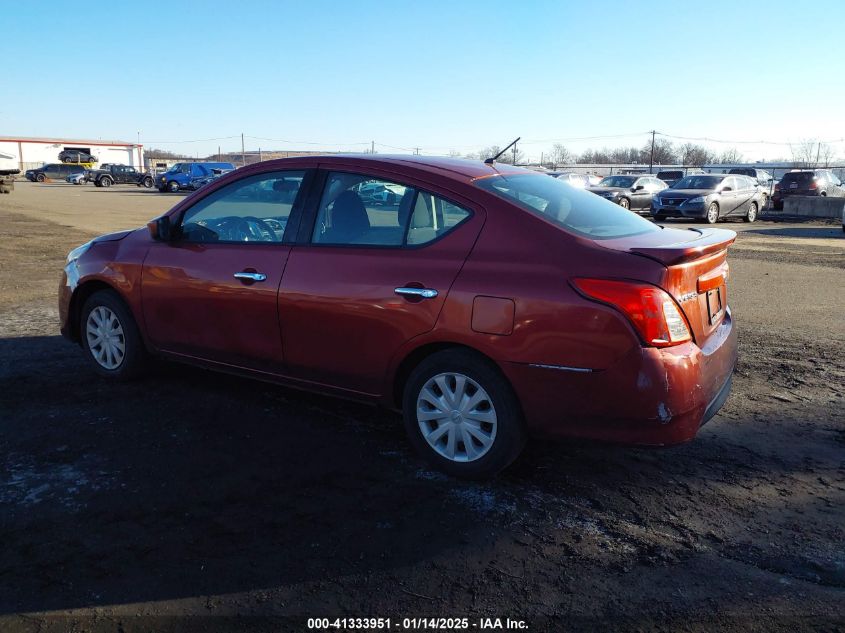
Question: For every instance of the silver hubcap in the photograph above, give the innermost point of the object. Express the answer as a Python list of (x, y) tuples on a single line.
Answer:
[(752, 212), (712, 214), (105, 337), (456, 417)]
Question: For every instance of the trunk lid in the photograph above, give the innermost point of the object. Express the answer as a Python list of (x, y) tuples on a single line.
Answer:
[(696, 271)]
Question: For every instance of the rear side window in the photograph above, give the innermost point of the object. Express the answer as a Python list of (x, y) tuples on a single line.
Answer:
[(574, 210), (359, 210)]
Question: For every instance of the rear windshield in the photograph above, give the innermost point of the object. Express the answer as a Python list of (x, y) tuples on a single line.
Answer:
[(698, 182), (803, 177), (670, 174), (575, 210), (744, 172)]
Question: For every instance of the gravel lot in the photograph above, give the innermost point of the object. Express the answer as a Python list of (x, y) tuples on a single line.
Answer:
[(202, 494)]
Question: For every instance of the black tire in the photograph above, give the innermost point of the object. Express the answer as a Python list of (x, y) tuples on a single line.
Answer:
[(105, 182), (135, 354), (41, 178), (624, 203), (162, 189), (148, 183), (659, 218), (712, 213), (67, 160), (823, 194), (752, 213), (173, 186), (97, 183), (510, 433)]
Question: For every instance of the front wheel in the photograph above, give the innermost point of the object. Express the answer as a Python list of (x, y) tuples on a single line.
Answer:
[(110, 336), (105, 182), (625, 203), (173, 186), (462, 415), (752, 213), (41, 178), (712, 213)]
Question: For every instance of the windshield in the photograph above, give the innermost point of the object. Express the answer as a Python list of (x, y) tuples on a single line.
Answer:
[(698, 182), (574, 210), (618, 181)]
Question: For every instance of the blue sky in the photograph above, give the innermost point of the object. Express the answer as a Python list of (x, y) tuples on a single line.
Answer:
[(437, 75)]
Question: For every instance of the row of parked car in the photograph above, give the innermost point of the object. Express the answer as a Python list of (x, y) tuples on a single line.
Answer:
[(742, 192), (182, 176)]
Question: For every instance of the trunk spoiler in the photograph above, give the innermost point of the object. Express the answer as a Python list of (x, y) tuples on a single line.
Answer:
[(678, 251)]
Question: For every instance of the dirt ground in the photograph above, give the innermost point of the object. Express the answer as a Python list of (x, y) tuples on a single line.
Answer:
[(192, 493)]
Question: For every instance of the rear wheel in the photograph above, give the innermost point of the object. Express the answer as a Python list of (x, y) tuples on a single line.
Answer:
[(625, 203), (148, 183), (823, 194), (712, 213), (659, 218), (752, 213), (110, 336), (462, 415)]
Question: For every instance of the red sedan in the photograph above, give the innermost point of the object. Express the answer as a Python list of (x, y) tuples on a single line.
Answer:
[(488, 303)]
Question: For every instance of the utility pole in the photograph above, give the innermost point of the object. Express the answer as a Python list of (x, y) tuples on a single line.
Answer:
[(651, 162), (218, 153), (417, 151), (243, 152), (541, 159), (514, 153), (372, 147), (259, 154), (818, 151)]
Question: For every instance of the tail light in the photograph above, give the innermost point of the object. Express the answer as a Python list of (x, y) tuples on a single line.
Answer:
[(777, 186), (654, 314), (813, 184)]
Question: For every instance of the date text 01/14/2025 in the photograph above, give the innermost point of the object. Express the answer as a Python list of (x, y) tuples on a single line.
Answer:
[(416, 624)]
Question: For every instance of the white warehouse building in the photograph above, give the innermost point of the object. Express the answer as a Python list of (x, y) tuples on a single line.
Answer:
[(32, 152)]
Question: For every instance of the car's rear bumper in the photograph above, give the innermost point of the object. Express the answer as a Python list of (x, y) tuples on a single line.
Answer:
[(651, 396)]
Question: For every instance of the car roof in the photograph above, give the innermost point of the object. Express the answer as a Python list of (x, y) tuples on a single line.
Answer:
[(457, 168)]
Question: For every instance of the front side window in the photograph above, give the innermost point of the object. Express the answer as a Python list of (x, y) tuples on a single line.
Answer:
[(253, 209), (361, 210), (574, 210)]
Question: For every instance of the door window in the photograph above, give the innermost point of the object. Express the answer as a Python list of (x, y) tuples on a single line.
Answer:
[(360, 210), (253, 209)]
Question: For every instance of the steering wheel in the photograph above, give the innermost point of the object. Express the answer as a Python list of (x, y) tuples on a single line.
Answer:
[(252, 227)]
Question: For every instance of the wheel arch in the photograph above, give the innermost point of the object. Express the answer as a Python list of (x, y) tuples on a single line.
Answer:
[(80, 296), (417, 355)]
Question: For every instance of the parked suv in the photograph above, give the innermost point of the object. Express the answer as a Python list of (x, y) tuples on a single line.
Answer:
[(184, 175), (53, 171), (808, 182), (671, 176), (76, 156)]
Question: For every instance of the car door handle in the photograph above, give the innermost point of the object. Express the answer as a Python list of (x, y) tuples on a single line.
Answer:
[(251, 276), (423, 293)]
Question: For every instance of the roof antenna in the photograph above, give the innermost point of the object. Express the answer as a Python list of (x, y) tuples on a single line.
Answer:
[(490, 161)]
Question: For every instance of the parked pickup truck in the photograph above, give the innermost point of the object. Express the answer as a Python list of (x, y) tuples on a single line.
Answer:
[(119, 175)]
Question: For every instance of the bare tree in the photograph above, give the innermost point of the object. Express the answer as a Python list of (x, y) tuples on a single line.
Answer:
[(559, 155), (692, 154), (730, 156), (803, 153), (664, 152), (825, 155)]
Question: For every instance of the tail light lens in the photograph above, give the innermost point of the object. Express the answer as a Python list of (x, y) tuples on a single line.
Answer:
[(813, 184), (654, 314), (777, 186)]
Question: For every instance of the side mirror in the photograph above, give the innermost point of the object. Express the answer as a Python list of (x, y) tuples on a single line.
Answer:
[(160, 229), (638, 188)]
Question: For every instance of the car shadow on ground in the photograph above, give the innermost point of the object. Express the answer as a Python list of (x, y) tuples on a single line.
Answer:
[(824, 232), (190, 483)]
